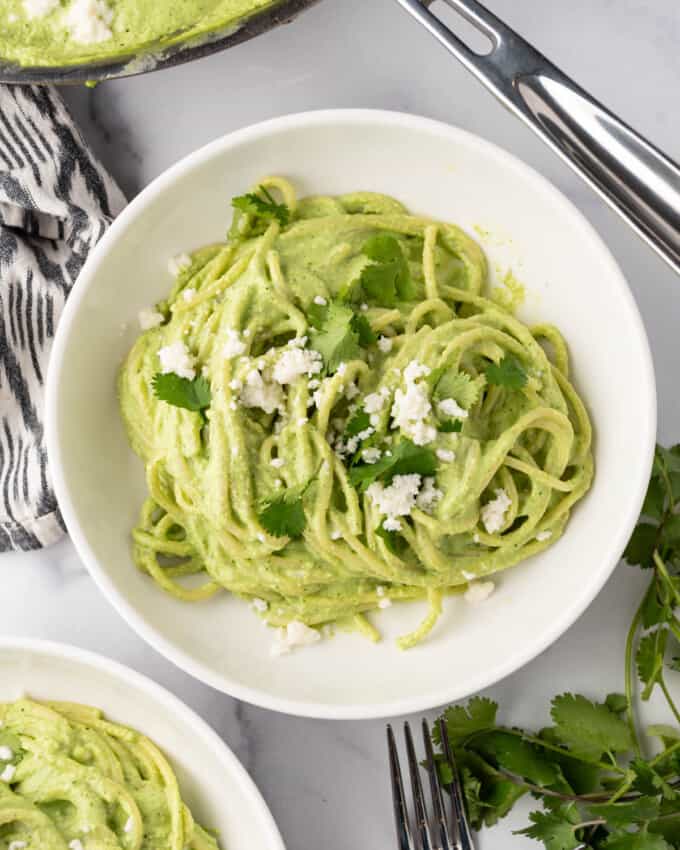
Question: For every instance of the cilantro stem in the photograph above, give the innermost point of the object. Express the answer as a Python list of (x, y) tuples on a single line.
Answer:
[(669, 698), (665, 754), (661, 567), (630, 643)]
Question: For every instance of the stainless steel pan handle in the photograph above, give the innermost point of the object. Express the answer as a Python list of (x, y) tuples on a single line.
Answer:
[(637, 179)]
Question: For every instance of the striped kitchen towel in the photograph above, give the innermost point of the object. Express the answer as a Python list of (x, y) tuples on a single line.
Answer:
[(56, 201)]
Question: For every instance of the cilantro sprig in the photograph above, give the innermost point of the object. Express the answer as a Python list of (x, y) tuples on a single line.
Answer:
[(284, 516), (338, 333), (262, 207), (590, 769), (406, 458), (508, 373), (181, 392)]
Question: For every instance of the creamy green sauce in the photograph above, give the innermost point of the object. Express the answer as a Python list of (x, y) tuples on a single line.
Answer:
[(506, 462), (69, 778), (68, 32)]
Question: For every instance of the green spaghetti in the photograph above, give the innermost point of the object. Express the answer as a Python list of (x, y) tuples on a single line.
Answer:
[(333, 417), (69, 778)]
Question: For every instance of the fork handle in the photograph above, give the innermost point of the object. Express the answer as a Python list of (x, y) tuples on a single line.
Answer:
[(637, 179)]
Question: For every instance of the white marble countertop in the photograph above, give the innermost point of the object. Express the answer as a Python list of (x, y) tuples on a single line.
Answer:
[(326, 782)]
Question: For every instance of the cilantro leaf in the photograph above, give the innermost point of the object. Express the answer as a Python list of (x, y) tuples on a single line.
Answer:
[(450, 426), (675, 664), (556, 829), (334, 337), (263, 207), (620, 815), (406, 458), (649, 660), (393, 540), (387, 279), (508, 373), (362, 327), (520, 757), (640, 548), (284, 517), (181, 392), (358, 423), (655, 499), (589, 729), (637, 841), (648, 781), (617, 703), (450, 383), (462, 721)]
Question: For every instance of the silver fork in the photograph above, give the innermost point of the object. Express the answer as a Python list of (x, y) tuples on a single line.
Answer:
[(431, 832)]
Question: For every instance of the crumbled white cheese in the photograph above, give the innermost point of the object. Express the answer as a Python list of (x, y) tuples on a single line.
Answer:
[(303, 420), (371, 455), (399, 498), (261, 537), (450, 407), (380, 590), (351, 391), (233, 405), (385, 603), (260, 393), (260, 605), (429, 496), (412, 406), (364, 308), (479, 591), (320, 300), (542, 536), (235, 384), (445, 455), (6, 753), (374, 420), (16, 845), (493, 512), (295, 362), (385, 344), (89, 21), (178, 264), (374, 402), (234, 346), (295, 634), (297, 342), (475, 538), (188, 294), (76, 844), (392, 524), (277, 462), (38, 8), (468, 576), (336, 535), (129, 823), (7, 774), (176, 358), (149, 319)]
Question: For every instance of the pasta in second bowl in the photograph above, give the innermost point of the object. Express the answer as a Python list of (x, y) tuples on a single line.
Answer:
[(526, 229)]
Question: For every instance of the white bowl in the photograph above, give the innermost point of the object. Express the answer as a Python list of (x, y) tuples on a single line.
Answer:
[(571, 279), (216, 787)]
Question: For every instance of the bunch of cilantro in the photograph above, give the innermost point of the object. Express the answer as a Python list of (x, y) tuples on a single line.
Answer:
[(601, 782)]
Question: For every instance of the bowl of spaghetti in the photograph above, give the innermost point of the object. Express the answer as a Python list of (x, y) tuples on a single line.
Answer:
[(364, 421)]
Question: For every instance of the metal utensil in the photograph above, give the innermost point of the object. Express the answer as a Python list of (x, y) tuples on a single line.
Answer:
[(635, 178), (436, 831), (280, 12)]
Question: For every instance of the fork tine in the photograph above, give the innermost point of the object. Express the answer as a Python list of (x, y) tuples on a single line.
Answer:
[(461, 829), (404, 835), (436, 790), (421, 813)]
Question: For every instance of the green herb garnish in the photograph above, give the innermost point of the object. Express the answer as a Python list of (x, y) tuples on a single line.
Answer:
[(508, 373), (406, 458), (181, 392), (591, 770), (263, 207), (284, 517), (387, 279), (358, 423), (450, 426)]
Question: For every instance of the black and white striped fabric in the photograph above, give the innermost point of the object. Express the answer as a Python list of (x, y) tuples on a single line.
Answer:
[(56, 201)]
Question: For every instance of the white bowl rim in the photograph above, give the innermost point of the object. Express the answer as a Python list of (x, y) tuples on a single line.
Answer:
[(172, 704), (645, 398)]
